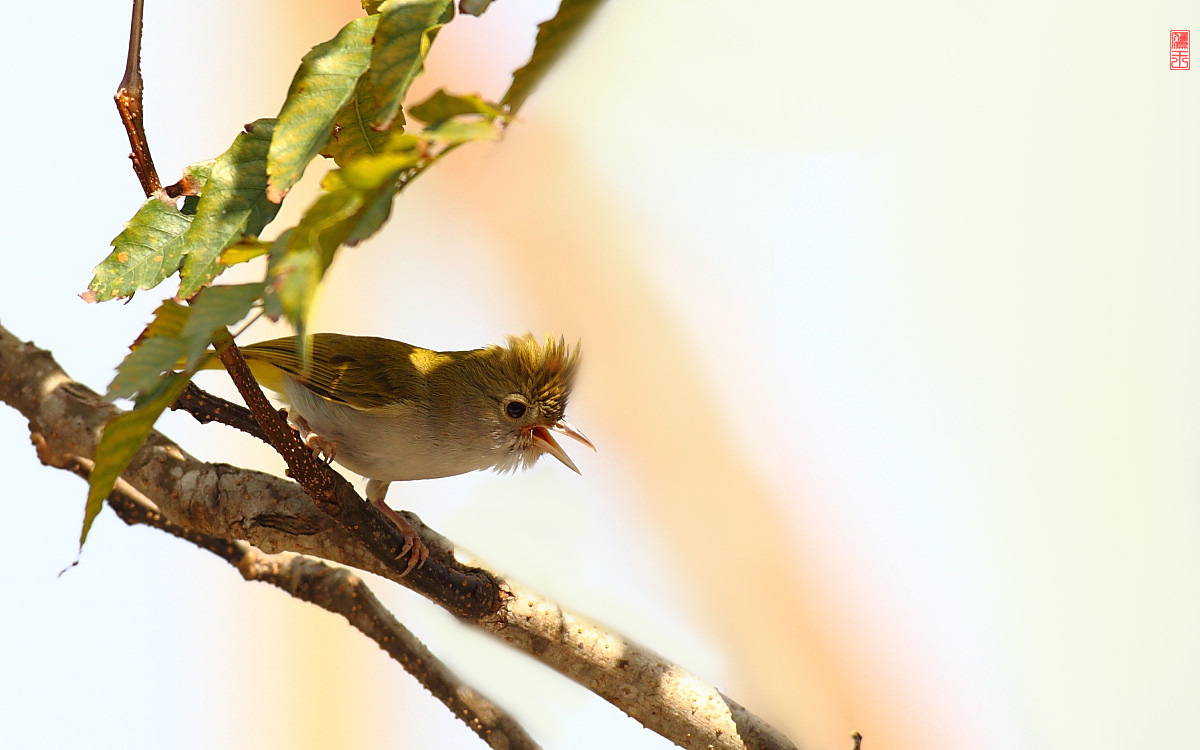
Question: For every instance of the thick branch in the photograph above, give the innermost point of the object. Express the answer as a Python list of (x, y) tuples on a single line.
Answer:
[(333, 588), (271, 513), (540, 625), (274, 514)]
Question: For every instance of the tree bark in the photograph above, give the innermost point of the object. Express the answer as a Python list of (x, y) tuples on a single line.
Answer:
[(231, 505)]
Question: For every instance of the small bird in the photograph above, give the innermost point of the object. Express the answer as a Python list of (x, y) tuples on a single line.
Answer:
[(391, 411)]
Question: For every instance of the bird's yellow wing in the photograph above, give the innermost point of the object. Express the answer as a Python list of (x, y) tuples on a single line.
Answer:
[(364, 372)]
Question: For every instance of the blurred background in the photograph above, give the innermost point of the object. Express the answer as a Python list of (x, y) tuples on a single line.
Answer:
[(888, 318)]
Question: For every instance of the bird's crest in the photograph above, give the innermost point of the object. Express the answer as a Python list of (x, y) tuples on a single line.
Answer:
[(545, 371)]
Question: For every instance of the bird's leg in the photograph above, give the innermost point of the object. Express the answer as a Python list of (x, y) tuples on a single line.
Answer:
[(376, 490), (416, 550), (323, 447)]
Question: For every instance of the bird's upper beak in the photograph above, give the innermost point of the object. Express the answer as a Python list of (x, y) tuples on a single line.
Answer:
[(546, 442)]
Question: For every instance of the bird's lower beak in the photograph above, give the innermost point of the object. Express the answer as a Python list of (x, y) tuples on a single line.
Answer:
[(546, 442)]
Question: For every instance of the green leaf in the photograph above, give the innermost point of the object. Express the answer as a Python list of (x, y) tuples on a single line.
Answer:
[(149, 250), (176, 333), (179, 337), (378, 183), (444, 105), (169, 321), (356, 201), (155, 351), (200, 172), (122, 438), (553, 37), (142, 369), (233, 204), (294, 275), (406, 30), (276, 276), (214, 309), (353, 135), (323, 84)]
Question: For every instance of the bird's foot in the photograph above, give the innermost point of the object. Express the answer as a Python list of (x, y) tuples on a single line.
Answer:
[(416, 550), (324, 448)]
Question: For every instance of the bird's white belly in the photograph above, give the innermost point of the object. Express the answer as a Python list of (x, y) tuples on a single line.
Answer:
[(395, 445)]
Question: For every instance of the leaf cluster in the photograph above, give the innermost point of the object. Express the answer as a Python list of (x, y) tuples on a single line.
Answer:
[(346, 103)]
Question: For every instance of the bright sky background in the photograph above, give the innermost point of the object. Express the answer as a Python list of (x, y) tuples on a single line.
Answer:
[(890, 352)]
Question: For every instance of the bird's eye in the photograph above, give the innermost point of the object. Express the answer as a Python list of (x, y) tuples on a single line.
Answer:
[(515, 409)]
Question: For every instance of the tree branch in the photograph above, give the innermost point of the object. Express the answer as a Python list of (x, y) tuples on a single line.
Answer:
[(129, 105), (273, 514), (333, 588), (328, 489), (205, 407)]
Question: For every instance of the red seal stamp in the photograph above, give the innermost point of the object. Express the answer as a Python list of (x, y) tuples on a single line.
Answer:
[(1181, 49)]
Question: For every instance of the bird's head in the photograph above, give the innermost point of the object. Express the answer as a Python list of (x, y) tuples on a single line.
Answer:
[(521, 393)]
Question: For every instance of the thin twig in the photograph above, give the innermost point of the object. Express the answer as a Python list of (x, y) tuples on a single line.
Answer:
[(326, 487), (129, 105), (466, 591), (205, 407)]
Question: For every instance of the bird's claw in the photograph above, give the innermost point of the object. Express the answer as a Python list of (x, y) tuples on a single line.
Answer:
[(413, 547), (324, 448)]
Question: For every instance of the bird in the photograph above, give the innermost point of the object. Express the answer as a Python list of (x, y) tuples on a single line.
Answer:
[(390, 411)]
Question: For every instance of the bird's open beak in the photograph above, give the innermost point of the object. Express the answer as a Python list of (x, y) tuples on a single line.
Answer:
[(546, 442)]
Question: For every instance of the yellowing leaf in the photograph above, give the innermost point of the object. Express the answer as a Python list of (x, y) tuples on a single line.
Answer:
[(443, 105), (454, 132), (406, 30), (353, 135), (473, 7), (244, 250)]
